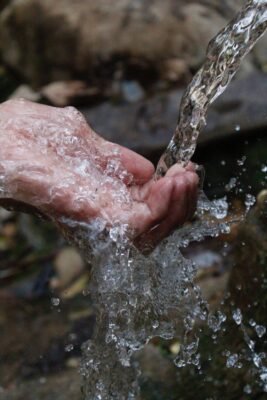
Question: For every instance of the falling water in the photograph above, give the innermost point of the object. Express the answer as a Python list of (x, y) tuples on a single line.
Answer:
[(224, 55), (138, 297)]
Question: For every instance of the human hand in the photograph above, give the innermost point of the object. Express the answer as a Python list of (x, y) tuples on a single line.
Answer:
[(51, 160)]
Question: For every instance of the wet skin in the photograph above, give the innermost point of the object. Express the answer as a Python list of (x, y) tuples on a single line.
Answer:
[(53, 161)]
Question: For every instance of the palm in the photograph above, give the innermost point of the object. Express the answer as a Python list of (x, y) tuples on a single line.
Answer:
[(53, 161)]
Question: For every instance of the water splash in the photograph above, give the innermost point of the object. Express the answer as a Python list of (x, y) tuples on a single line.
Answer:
[(137, 298), (142, 297), (224, 55)]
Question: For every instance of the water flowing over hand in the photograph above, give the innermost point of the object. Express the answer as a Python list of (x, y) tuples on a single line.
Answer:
[(51, 160)]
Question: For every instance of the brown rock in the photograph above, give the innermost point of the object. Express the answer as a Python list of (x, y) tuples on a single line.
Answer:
[(174, 69), (147, 126), (155, 366), (61, 94), (68, 265), (57, 40)]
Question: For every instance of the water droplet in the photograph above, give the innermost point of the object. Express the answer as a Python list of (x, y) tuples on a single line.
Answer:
[(257, 360), (155, 324), (252, 322), (261, 330), (241, 161), (231, 184), (69, 347), (219, 208), (263, 375), (237, 128), (215, 321), (237, 316), (55, 301), (247, 389), (232, 361), (250, 201)]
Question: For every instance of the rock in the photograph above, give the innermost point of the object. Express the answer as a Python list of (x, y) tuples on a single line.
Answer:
[(61, 94), (147, 126), (5, 215), (155, 366), (260, 52), (25, 92), (175, 70), (68, 266), (49, 41), (63, 386), (132, 91)]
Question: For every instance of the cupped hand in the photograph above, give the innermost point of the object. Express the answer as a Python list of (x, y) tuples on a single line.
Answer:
[(51, 160)]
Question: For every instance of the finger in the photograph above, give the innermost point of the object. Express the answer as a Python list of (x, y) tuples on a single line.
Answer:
[(149, 240), (138, 166), (176, 169), (181, 208), (156, 196), (191, 167)]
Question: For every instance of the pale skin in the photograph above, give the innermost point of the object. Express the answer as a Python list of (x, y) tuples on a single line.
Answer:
[(53, 161)]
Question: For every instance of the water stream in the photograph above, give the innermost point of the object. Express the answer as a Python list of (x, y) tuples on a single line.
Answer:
[(137, 297), (224, 56)]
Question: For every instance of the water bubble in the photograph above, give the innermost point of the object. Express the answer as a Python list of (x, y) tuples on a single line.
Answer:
[(215, 321), (232, 361), (55, 301), (261, 330), (237, 128), (241, 161), (263, 375), (250, 201), (69, 347), (257, 360), (155, 324), (264, 168), (231, 184), (219, 208), (247, 389), (237, 316)]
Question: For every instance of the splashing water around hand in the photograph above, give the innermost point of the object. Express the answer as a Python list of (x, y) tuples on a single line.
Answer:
[(142, 297)]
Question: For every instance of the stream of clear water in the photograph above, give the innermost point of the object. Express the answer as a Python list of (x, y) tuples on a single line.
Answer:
[(224, 56), (137, 297)]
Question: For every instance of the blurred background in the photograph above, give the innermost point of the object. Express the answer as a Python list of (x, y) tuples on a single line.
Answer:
[(124, 64)]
